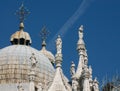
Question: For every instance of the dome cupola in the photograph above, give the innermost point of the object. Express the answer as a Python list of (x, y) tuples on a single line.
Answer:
[(18, 60), (20, 37)]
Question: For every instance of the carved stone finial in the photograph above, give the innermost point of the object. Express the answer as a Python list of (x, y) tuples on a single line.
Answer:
[(59, 45)]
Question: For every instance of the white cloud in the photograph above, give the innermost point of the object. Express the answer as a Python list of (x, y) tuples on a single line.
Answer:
[(63, 30)]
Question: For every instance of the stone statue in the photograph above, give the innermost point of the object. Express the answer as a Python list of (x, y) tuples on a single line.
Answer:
[(59, 45), (85, 61), (39, 86), (72, 69), (95, 85), (33, 60), (20, 87), (81, 32), (74, 85)]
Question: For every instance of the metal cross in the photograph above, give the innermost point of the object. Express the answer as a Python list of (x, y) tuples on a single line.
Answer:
[(44, 33), (22, 13)]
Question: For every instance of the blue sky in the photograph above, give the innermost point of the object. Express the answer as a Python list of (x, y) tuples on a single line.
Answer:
[(101, 20)]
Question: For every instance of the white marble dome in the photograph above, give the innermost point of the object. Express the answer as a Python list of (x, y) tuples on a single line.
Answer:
[(15, 65)]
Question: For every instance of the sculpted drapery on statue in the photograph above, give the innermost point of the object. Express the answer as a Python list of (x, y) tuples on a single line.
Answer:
[(59, 45), (33, 60)]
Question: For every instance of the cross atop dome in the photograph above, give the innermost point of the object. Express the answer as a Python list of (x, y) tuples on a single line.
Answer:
[(22, 13), (44, 33), (20, 37)]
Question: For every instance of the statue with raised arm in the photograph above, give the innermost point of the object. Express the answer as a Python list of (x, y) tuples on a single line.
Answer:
[(33, 60), (59, 45)]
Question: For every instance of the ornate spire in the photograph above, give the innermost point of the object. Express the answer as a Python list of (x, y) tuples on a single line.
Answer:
[(83, 60), (59, 83), (22, 13)]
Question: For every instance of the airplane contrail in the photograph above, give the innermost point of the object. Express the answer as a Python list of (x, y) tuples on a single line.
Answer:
[(63, 30)]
